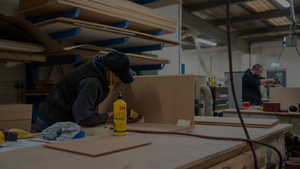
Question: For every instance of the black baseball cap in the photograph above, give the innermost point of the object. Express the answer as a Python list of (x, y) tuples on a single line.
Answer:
[(119, 63)]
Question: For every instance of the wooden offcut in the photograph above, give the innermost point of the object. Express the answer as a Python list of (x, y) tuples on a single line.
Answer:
[(16, 116), (286, 96), (159, 99), (235, 122), (151, 127), (104, 11), (97, 145)]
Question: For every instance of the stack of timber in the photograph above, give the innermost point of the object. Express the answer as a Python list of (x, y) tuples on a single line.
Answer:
[(141, 18), (16, 51), (95, 32), (162, 3), (235, 122), (16, 116), (42, 87)]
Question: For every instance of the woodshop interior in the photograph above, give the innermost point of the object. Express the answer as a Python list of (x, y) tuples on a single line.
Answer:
[(182, 87)]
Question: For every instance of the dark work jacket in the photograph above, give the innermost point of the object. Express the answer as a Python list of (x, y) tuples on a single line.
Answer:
[(251, 88), (58, 105)]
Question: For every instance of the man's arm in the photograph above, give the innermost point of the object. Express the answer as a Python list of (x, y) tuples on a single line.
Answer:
[(264, 81), (89, 91)]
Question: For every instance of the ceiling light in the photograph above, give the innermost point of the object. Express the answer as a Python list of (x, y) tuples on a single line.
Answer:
[(284, 3), (207, 42)]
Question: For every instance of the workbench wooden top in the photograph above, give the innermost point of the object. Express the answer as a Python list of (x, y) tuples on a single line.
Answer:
[(263, 112), (165, 151)]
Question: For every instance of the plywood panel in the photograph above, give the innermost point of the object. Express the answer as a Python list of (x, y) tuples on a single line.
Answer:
[(159, 99), (235, 122), (20, 124), (15, 112), (287, 96), (97, 145)]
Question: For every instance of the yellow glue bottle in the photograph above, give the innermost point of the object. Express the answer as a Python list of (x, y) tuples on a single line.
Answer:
[(120, 116), (212, 82)]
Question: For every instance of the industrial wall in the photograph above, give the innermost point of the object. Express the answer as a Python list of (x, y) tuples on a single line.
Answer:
[(171, 53), (263, 53)]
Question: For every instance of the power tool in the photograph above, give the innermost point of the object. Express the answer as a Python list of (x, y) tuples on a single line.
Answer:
[(133, 116)]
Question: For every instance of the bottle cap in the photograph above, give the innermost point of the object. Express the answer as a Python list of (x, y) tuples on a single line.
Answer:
[(120, 95)]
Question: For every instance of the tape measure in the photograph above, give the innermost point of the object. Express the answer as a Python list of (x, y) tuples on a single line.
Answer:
[(2, 138)]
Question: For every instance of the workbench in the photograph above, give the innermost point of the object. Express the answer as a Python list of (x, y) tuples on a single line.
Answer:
[(283, 117), (165, 151)]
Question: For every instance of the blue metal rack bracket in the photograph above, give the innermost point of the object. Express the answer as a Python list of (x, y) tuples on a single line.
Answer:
[(147, 67), (71, 13), (65, 34), (145, 2), (122, 24), (111, 42), (158, 32), (183, 68), (73, 59), (141, 48)]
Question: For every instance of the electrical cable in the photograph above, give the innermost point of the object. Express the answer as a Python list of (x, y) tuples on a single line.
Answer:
[(210, 137), (232, 83)]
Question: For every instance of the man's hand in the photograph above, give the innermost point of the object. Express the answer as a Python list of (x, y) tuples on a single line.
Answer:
[(272, 80), (110, 115), (280, 81)]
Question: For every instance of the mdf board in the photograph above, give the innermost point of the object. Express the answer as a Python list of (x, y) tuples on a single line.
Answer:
[(15, 112), (287, 96), (151, 127), (19, 124), (159, 99), (97, 145), (235, 122)]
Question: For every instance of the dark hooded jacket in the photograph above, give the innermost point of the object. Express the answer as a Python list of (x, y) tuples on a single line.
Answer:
[(251, 88), (76, 95)]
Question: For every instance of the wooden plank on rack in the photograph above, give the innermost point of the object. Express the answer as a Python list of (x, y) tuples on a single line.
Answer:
[(22, 56), (162, 3), (141, 18), (16, 46), (98, 32)]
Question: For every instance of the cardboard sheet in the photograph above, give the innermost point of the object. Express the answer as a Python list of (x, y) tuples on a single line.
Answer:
[(159, 99), (98, 145)]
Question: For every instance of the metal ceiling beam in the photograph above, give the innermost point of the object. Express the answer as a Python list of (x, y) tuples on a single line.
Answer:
[(258, 16), (211, 4), (268, 38), (261, 30), (194, 23)]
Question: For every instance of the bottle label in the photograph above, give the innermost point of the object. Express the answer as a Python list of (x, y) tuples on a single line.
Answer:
[(120, 117)]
